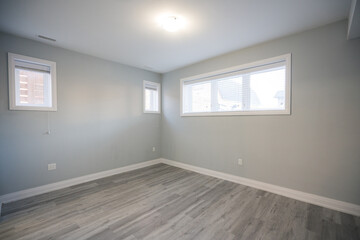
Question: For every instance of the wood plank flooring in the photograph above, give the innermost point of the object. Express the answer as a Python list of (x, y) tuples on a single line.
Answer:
[(164, 202)]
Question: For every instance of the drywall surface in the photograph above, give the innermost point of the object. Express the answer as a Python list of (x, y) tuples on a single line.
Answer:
[(99, 125), (316, 149)]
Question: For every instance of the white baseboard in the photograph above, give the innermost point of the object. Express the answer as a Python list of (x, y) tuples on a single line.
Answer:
[(287, 192), (337, 205), (71, 182)]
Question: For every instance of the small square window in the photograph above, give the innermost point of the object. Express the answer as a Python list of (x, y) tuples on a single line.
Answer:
[(32, 83), (151, 97)]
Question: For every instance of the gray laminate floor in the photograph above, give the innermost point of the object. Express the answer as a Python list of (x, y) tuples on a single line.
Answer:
[(164, 202)]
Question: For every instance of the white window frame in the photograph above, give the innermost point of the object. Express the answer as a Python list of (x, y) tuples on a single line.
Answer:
[(12, 57), (286, 111), (158, 87)]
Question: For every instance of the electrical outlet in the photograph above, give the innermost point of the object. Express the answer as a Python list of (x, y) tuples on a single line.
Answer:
[(51, 166), (240, 161), (154, 149)]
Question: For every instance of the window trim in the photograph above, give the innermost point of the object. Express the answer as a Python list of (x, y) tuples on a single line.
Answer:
[(287, 111), (11, 79), (158, 87)]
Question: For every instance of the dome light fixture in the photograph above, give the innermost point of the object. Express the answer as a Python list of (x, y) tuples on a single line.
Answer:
[(171, 23)]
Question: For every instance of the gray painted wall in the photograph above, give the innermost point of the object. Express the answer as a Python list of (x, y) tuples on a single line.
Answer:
[(316, 149), (99, 124)]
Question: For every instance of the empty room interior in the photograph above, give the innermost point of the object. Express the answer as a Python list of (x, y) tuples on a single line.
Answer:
[(166, 120)]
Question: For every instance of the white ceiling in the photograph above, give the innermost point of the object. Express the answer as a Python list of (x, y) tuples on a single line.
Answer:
[(126, 31)]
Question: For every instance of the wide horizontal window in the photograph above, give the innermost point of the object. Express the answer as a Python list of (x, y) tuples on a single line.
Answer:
[(32, 83), (257, 88)]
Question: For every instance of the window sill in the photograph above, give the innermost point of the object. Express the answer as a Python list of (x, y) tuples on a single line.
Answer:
[(243, 113)]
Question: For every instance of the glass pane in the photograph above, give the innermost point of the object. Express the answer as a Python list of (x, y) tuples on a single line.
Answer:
[(33, 88), (151, 100), (267, 90), (228, 94), (197, 97)]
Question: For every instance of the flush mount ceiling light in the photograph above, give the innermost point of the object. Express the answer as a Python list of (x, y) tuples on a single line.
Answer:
[(171, 23)]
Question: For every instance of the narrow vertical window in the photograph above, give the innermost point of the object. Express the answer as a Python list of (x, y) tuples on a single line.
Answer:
[(32, 83), (151, 95)]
